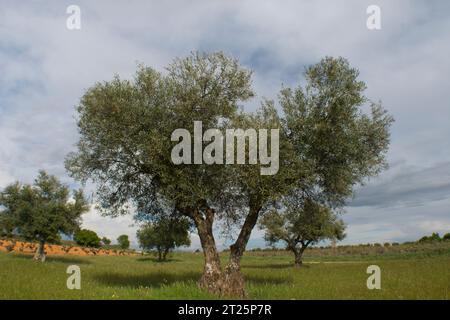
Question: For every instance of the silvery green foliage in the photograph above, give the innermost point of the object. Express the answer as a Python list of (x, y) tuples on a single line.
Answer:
[(301, 223), (43, 210), (337, 144)]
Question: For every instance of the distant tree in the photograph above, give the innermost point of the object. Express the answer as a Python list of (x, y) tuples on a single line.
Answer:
[(446, 237), (301, 224), (433, 238), (106, 241), (87, 238), (164, 234), (123, 241), (424, 239), (40, 212)]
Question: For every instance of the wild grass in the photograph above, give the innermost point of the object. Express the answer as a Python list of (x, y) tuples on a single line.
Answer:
[(403, 276)]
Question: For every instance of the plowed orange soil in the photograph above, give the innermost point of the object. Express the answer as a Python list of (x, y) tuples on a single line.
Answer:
[(51, 249)]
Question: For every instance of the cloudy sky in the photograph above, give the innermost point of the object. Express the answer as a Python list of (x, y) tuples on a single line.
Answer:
[(45, 68)]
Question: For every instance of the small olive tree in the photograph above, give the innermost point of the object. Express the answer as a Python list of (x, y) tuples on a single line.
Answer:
[(40, 212), (301, 224), (164, 234), (123, 241)]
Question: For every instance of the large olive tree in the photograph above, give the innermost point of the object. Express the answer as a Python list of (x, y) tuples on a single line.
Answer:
[(125, 147)]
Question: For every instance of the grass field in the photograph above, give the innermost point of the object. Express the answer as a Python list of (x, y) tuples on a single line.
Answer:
[(403, 276)]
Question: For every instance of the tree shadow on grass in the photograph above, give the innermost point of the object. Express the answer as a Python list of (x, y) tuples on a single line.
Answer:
[(149, 259), (161, 278), (155, 280), (63, 259), (276, 266), (267, 280), (66, 259)]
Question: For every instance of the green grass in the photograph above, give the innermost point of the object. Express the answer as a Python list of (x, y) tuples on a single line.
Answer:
[(267, 277)]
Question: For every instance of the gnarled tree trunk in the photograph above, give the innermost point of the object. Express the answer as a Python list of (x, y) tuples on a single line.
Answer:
[(40, 252), (211, 279), (233, 280), (159, 253), (230, 282), (165, 252), (298, 252), (299, 257)]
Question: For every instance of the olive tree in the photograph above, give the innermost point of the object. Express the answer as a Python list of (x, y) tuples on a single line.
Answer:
[(123, 241), (164, 234), (40, 212), (300, 224), (328, 144), (125, 147)]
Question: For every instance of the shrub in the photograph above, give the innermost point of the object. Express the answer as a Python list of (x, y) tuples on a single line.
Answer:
[(87, 238)]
